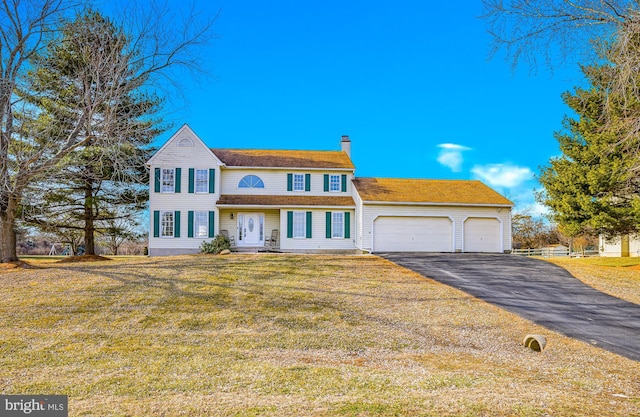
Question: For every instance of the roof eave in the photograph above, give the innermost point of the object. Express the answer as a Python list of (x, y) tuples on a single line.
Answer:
[(282, 206), (410, 203), (289, 168)]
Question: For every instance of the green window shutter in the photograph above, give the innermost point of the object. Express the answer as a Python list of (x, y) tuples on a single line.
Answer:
[(328, 235), (178, 179), (190, 223), (289, 182), (212, 181), (212, 224), (290, 224), (347, 225), (307, 182), (344, 183), (156, 223), (176, 224), (191, 175), (326, 182), (156, 186), (309, 225)]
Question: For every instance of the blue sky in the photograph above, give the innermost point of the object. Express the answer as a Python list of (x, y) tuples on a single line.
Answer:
[(409, 81)]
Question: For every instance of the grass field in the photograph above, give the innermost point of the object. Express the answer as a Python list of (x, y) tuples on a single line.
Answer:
[(619, 277), (286, 335)]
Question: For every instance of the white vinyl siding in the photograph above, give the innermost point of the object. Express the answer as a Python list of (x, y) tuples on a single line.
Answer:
[(172, 156), (318, 241), (458, 214), (275, 182)]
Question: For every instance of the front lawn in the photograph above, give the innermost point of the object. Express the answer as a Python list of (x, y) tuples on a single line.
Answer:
[(286, 335), (619, 277)]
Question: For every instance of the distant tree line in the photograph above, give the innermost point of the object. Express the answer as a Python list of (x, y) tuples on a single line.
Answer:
[(535, 232), (79, 109)]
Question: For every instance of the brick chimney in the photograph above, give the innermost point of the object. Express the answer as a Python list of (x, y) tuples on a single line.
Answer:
[(345, 143)]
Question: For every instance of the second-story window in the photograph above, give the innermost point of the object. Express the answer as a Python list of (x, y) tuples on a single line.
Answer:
[(202, 180), (168, 180), (251, 181), (298, 182), (334, 183)]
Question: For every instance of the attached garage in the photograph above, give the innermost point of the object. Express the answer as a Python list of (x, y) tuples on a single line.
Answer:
[(412, 234), (482, 235), (413, 215)]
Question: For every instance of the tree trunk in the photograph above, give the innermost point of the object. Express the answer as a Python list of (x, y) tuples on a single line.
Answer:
[(89, 228), (8, 229)]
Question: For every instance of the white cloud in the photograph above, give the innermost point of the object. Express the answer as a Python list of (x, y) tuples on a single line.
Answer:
[(502, 175), (535, 209), (450, 155)]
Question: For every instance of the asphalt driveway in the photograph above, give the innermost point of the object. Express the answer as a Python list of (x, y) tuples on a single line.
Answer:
[(538, 291)]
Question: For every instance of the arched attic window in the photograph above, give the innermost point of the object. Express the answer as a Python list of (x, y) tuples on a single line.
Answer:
[(251, 181), (185, 142)]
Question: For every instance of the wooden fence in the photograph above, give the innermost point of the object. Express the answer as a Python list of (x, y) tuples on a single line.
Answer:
[(555, 252)]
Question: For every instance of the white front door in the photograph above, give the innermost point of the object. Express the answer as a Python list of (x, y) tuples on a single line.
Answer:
[(250, 228)]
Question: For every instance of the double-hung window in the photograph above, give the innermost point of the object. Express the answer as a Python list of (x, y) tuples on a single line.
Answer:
[(299, 224), (166, 224), (334, 183), (202, 180), (337, 224), (201, 224), (168, 180), (298, 182)]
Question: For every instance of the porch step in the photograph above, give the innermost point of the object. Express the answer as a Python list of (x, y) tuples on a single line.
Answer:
[(253, 249)]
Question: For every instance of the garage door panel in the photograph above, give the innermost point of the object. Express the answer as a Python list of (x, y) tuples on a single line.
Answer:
[(481, 235), (412, 234)]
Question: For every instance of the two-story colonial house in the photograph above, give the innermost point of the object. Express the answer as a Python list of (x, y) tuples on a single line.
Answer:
[(312, 202)]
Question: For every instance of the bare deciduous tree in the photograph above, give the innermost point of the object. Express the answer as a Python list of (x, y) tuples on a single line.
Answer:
[(38, 132), (552, 30), (602, 32)]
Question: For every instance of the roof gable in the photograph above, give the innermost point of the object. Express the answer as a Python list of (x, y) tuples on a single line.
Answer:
[(398, 190), (185, 138), (284, 158)]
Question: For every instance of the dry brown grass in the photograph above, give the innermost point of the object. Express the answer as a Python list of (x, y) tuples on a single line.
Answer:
[(619, 277), (285, 335)]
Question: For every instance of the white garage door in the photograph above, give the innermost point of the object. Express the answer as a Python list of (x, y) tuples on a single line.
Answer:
[(481, 235), (412, 234)]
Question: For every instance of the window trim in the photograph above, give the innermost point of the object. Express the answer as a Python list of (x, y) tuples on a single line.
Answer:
[(300, 220), (205, 216), (256, 181), (332, 183), (300, 183), (171, 213), (337, 232), (205, 172), (165, 188)]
